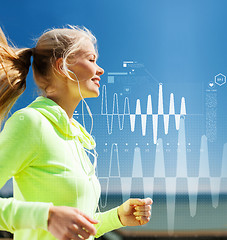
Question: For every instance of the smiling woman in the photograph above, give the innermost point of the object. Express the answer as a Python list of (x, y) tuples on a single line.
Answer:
[(56, 191), (84, 72)]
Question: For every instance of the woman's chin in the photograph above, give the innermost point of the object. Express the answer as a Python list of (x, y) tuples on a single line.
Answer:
[(94, 94)]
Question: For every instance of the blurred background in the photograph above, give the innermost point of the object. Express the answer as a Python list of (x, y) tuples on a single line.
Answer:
[(160, 120)]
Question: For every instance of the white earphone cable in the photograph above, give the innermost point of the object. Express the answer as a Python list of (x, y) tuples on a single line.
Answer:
[(95, 154), (88, 109)]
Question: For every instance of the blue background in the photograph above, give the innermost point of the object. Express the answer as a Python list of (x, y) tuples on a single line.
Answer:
[(181, 44)]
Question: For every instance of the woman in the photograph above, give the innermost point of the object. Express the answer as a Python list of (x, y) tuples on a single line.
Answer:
[(43, 148)]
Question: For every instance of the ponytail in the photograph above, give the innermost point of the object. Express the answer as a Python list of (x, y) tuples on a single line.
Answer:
[(14, 67)]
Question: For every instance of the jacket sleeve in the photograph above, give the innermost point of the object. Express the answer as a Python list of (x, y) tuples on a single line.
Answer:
[(19, 141), (108, 221)]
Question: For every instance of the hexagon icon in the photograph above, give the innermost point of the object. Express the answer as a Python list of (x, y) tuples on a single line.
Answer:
[(220, 79)]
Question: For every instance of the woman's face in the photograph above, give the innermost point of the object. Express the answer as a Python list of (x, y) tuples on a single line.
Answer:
[(87, 71)]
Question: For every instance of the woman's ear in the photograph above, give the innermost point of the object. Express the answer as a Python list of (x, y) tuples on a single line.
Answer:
[(59, 66)]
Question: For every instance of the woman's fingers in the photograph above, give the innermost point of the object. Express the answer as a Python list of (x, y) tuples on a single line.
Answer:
[(143, 220), (83, 233), (146, 214), (91, 220), (77, 230), (66, 223), (148, 201), (140, 202), (143, 208), (81, 221), (72, 236)]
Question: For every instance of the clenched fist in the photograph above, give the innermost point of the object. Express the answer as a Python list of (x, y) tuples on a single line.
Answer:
[(135, 212)]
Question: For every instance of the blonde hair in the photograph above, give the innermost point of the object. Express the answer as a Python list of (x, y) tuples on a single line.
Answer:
[(14, 63)]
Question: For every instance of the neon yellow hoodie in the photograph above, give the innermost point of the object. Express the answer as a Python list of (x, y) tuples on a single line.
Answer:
[(44, 153)]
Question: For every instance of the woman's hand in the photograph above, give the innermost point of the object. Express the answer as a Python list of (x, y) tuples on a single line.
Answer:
[(66, 223), (135, 212)]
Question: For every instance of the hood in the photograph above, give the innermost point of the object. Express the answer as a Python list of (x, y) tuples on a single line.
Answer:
[(58, 117)]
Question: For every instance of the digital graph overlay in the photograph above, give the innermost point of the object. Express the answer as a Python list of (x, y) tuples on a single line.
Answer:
[(171, 184), (137, 112)]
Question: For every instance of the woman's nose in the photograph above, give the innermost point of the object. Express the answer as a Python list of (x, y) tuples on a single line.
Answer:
[(100, 71)]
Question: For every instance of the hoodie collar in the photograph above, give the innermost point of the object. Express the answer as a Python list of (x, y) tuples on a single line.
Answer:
[(57, 115)]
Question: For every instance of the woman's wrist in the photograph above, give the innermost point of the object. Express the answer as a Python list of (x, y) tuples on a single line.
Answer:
[(119, 214), (50, 214)]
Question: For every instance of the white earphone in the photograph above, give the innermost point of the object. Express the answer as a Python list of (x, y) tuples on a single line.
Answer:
[(70, 71)]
